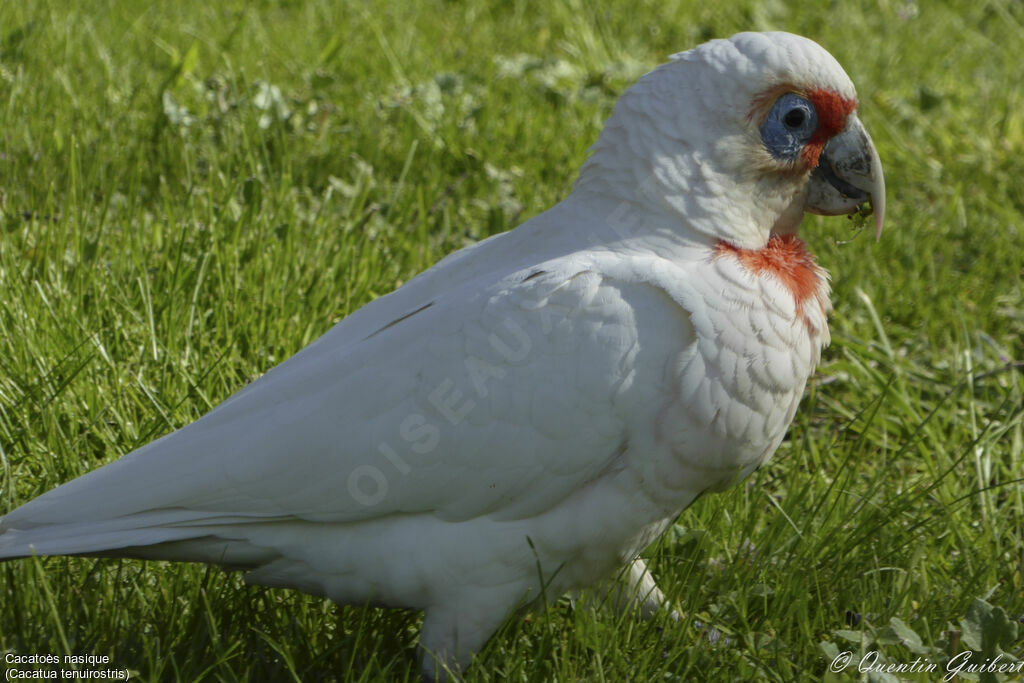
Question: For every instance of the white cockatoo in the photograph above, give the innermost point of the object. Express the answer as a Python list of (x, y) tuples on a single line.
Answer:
[(535, 409)]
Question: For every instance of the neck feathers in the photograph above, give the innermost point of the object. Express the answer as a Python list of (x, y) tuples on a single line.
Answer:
[(786, 259)]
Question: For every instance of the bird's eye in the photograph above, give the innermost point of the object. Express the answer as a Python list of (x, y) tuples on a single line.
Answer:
[(794, 118), (790, 124)]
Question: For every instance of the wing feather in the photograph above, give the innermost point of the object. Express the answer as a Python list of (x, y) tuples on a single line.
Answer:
[(498, 400)]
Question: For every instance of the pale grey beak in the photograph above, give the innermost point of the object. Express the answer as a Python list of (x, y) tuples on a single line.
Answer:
[(848, 174)]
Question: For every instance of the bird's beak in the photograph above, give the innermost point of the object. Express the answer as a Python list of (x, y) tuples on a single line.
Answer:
[(848, 174)]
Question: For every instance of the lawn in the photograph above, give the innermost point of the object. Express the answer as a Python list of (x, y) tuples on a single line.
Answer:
[(190, 192)]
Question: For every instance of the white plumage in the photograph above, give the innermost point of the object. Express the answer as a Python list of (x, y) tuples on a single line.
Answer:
[(556, 394)]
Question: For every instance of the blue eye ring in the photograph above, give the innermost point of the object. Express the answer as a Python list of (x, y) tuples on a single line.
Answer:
[(790, 124)]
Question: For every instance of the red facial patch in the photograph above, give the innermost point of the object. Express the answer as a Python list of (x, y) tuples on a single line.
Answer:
[(833, 110), (786, 257)]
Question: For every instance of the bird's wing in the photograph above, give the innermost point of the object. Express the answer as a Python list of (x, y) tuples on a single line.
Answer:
[(496, 400)]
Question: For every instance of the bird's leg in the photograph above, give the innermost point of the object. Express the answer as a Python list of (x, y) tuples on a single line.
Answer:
[(455, 631), (634, 590)]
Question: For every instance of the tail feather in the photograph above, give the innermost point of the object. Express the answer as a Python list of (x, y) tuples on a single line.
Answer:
[(178, 534)]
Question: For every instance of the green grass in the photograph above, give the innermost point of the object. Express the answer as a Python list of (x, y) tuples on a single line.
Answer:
[(190, 192)]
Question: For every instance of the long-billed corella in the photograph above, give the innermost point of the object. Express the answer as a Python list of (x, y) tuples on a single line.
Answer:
[(535, 409)]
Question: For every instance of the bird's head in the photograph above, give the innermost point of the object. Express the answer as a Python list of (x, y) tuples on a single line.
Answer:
[(739, 138)]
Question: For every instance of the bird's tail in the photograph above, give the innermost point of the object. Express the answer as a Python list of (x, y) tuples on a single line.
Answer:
[(183, 535)]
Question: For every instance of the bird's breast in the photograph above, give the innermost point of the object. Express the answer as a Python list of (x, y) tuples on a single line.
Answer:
[(759, 328), (785, 261)]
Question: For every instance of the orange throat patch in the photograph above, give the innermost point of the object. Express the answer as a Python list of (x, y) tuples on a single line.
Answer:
[(786, 258)]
